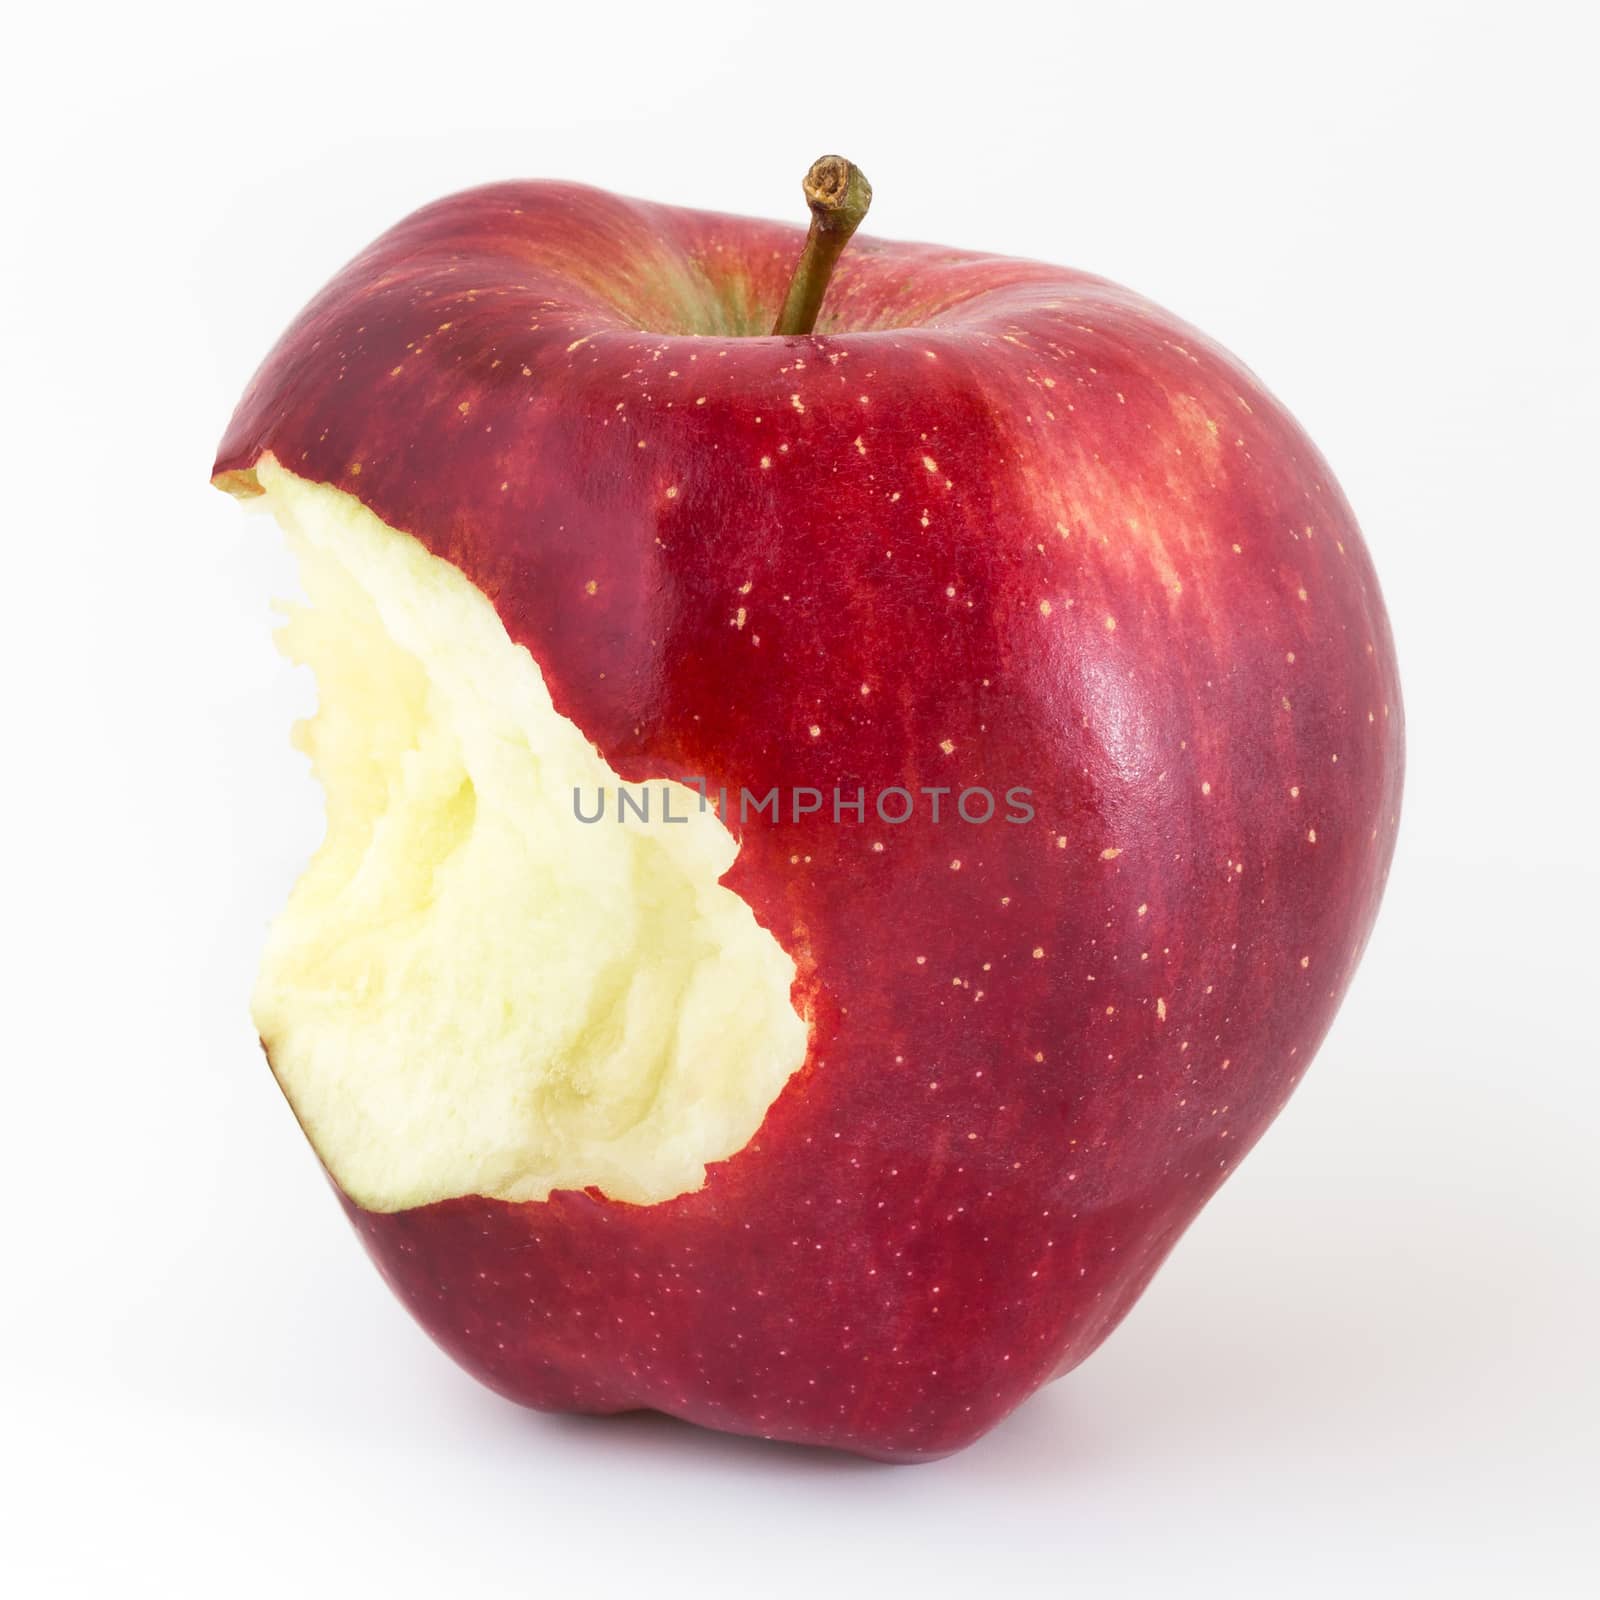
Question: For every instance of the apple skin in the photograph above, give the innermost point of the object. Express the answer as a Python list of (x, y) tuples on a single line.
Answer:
[(1049, 527)]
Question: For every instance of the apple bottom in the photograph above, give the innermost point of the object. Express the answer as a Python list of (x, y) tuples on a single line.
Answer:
[(581, 1305)]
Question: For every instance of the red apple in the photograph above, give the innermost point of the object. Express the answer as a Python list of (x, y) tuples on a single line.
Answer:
[(820, 1128)]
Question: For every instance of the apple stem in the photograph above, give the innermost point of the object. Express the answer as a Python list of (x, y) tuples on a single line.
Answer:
[(838, 193)]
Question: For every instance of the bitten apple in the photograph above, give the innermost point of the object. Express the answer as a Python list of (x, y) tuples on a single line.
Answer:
[(799, 1120)]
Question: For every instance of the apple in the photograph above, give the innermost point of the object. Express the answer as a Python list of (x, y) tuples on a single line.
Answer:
[(822, 1104)]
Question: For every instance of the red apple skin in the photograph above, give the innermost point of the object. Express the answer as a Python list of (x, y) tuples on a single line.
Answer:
[(1018, 527)]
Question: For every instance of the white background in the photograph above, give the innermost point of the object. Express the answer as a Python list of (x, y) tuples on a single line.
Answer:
[(1369, 1366)]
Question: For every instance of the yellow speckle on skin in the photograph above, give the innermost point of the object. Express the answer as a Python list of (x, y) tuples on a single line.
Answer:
[(877, 844), (1044, 608), (739, 617), (1161, 1009), (591, 587), (464, 407), (1294, 791), (1061, 841), (1110, 853), (866, 688), (1205, 788), (766, 461), (394, 372), (948, 746), (1142, 910), (930, 463), (1038, 952), (1111, 624), (355, 472), (955, 866), (672, 492), (861, 449), (576, 343), (816, 732), (1304, 595), (1305, 961), (797, 402), (1311, 835)]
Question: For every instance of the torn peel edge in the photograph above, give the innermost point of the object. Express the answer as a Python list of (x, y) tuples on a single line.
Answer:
[(241, 482)]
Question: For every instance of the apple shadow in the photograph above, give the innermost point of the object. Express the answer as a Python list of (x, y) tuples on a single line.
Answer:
[(646, 1434)]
